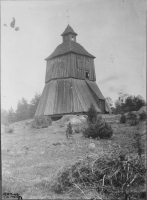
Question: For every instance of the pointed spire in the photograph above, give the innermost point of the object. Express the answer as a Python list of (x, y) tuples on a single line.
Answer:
[(69, 30)]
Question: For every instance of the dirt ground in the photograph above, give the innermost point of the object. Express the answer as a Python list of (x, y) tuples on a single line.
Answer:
[(31, 158)]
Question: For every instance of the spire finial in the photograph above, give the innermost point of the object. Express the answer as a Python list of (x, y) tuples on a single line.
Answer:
[(68, 16)]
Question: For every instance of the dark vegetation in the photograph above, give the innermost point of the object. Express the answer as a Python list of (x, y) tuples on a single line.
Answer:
[(132, 119), (92, 114), (42, 122), (9, 129), (97, 127), (69, 131), (131, 103), (114, 177), (123, 119), (143, 116)]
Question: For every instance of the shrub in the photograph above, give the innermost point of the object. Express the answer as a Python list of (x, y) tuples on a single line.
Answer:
[(137, 144), (92, 114), (134, 122), (42, 122), (143, 116), (123, 119), (69, 131), (9, 129), (132, 119), (106, 175), (77, 130), (99, 129)]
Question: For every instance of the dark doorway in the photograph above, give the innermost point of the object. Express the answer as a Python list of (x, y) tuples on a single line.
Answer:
[(87, 74)]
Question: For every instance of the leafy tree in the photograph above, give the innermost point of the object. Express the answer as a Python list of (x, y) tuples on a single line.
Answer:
[(131, 103), (109, 101)]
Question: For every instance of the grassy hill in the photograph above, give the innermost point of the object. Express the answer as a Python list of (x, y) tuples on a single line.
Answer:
[(31, 158)]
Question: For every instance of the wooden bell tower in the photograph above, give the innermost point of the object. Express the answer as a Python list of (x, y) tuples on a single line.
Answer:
[(70, 85)]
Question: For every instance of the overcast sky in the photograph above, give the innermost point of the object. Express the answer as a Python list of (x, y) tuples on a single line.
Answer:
[(114, 31)]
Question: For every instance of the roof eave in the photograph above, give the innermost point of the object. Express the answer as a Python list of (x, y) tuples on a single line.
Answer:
[(68, 33), (48, 58)]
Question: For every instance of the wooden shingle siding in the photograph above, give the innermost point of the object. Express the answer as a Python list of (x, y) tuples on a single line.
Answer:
[(70, 85), (61, 96), (42, 103), (50, 98), (95, 89), (84, 95), (62, 103), (70, 65)]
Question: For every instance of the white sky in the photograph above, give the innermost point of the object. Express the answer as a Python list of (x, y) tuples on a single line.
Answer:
[(113, 31)]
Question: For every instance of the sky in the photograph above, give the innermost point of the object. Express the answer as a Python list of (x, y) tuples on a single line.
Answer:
[(114, 31)]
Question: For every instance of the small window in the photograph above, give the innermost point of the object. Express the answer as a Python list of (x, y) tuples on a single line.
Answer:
[(72, 38), (87, 75)]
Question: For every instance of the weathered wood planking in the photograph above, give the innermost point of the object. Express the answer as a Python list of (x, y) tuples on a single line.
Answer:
[(50, 98), (42, 103), (70, 65), (70, 95), (95, 89)]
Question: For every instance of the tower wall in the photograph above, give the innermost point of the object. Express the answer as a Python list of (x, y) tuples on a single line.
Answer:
[(70, 65)]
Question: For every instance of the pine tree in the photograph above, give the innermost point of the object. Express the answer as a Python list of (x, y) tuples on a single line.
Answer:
[(33, 105), (22, 111), (92, 114), (11, 116)]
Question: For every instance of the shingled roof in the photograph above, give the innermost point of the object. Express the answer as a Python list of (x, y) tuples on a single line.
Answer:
[(68, 30), (67, 47)]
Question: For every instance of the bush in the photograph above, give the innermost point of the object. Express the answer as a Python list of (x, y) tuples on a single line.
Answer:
[(92, 114), (99, 129), (106, 174), (42, 122), (77, 130), (143, 116), (137, 144), (69, 131), (9, 129), (132, 119), (123, 119)]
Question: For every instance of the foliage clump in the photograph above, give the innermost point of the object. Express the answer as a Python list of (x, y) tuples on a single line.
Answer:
[(143, 116), (114, 177), (98, 130), (137, 144), (130, 103), (69, 131), (132, 119), (9, 129), (123, 119), (92, 114), (42, 122)]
